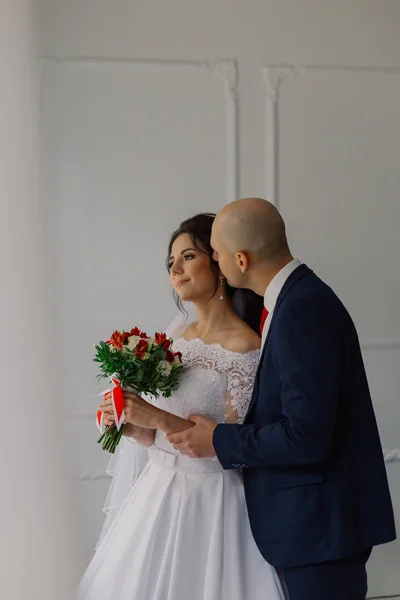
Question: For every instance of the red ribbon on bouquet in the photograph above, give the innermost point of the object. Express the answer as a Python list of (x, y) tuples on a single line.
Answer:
[(99, 421), (118, 405)]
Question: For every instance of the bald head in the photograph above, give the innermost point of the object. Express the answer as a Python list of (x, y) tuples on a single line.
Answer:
[(252, 225)]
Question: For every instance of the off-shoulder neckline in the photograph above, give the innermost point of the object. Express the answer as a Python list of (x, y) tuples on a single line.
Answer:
[(216, 345)]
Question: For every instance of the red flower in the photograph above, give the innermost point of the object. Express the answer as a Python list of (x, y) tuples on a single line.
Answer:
[(170, 356), (179, 355), (161, 340), (135, 331), (118, 339), (141, 349), (143, 334)]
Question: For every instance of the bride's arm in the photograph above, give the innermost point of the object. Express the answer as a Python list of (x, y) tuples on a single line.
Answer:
[(170, 423), (143, 415), (141, 435)]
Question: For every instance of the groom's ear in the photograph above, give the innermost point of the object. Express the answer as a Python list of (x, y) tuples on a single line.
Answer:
[(242, 261)]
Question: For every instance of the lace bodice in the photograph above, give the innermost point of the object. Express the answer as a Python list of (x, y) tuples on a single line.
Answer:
[(215, 383)]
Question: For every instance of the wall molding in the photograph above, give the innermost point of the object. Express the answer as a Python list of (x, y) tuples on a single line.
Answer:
[(273, 78), (95, 476), (395, 597), (390, 456), (380, 345), (225, 69)]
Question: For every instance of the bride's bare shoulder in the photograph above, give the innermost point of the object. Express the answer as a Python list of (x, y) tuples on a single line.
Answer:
[(242, 340), (190, 332)]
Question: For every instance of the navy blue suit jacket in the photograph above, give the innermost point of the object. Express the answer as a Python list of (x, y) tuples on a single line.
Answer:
[(313, 469)]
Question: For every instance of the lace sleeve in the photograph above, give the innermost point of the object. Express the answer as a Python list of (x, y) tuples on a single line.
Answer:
[(241, 377)]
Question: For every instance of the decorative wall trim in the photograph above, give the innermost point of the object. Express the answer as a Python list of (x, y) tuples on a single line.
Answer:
[(273, 78), (226, 70), (381, 345), (389, 455), (99, 476), (383, 597), (392, 455)]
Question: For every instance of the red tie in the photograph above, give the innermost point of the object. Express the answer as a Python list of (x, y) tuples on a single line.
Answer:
[(264, 316)]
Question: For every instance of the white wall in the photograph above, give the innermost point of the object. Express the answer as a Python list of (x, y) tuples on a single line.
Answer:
[(157, 110), (37, 560)]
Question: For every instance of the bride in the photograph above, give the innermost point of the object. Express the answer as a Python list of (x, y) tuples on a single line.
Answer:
[(182, 530)]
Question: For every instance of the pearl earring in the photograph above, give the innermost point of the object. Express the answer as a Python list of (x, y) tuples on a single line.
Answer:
[(222, 287)]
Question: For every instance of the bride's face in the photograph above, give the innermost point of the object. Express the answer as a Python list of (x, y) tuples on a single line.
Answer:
[(190, 271)]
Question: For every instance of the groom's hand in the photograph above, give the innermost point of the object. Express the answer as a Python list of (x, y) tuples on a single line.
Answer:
[(196, 442)]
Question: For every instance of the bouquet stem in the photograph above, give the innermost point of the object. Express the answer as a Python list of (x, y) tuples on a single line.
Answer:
[(110, 439)]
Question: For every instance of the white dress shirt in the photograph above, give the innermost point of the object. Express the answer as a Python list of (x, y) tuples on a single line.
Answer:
[(272, 292)]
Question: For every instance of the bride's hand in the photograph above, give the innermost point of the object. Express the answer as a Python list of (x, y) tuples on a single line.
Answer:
[(129, 430), (107, 408), (137, 411)]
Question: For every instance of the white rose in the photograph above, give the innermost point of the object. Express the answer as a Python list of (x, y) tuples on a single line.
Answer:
[(133, 341), (164, 368)]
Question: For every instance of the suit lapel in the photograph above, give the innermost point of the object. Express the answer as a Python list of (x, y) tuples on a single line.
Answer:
[(293, 278)]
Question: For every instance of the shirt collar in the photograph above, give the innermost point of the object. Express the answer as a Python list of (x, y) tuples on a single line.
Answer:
[(274, 288)]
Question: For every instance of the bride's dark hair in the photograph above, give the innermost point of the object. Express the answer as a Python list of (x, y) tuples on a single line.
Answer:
[(246, 303)]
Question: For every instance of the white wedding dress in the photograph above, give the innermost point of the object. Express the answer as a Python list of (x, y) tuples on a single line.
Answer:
[(183, 531)]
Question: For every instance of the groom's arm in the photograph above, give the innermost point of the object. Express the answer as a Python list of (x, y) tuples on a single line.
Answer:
[(309, 362)]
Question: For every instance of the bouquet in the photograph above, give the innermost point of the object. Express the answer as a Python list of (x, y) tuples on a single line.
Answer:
[(138, 363)]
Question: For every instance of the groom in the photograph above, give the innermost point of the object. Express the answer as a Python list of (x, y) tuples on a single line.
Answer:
[(313, 470)]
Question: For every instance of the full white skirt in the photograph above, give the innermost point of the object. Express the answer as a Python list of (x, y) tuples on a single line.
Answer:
[(183, 533)]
